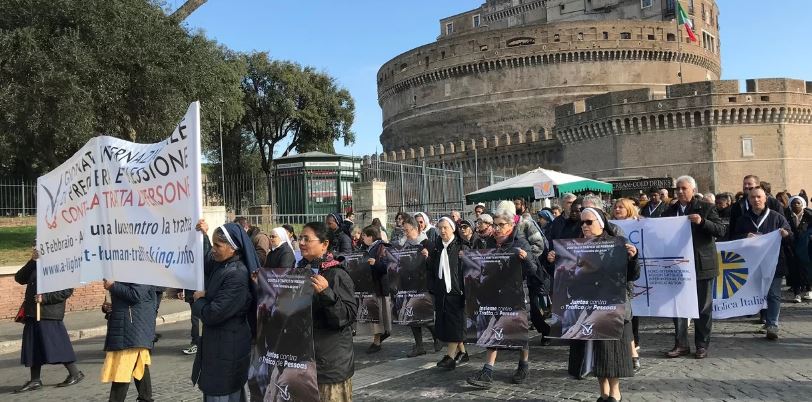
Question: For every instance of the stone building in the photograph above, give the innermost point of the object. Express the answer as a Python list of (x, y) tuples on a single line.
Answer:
[(492, 79), (709, 130)]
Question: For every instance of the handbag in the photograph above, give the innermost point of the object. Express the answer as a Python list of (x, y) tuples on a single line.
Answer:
[(20, 317)]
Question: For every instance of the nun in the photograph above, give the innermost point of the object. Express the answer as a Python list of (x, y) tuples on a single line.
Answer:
[(281, 255), (221, 365)]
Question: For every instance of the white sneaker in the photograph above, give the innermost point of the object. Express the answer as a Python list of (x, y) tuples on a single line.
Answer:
[(796, 299), (192, 349), (808, 296), (772, 332)]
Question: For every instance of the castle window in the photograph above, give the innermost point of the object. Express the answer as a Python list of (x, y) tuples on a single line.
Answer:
[(646, 3), (747, 147), (580, 36), (731, 99), (556, 38), (651, 37), (476, 20), (449, 28), (625, 35), (670, 37), (426, 61), (765, 98), (562, 7), (442, 54), (605, 35)]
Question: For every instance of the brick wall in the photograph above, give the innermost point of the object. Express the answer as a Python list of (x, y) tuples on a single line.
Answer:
[(87, 297)]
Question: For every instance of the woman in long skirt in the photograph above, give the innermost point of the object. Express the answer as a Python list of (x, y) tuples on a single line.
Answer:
[(45, 340)]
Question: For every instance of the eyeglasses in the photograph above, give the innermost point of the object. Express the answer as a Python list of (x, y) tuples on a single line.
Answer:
[(501, 225), (305, 239), (587, 222)]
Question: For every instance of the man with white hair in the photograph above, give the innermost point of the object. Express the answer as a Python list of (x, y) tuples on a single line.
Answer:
[(705, 227), (709, 198)]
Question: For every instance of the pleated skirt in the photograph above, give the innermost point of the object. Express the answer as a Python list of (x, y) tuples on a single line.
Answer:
[(45, 342)]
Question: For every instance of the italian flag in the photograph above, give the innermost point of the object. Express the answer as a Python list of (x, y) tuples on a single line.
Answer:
[(682, 19)]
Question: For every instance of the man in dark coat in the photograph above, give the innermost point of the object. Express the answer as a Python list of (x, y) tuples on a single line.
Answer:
[(739, 208), (655, 206), (758, 220), (705, 227)]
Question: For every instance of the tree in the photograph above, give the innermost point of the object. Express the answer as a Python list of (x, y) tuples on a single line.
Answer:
[(74, 69), (286, 103)]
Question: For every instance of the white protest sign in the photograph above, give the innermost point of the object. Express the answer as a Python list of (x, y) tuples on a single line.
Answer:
[(124, 211), (746, 269), (667, 283)]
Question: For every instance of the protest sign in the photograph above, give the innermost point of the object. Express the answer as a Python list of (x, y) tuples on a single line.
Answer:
[(284, 366), (413, 303), (589, 289), (746, 270), (369, 306), (667, 283), (495, 312), (124, 211)]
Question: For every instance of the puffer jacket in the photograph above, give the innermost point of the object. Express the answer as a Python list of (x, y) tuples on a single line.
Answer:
[(131, 322), (222, 360), (53, 303), (334, 311)]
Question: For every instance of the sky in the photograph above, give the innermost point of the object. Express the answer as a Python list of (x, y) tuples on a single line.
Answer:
[(351, 39)]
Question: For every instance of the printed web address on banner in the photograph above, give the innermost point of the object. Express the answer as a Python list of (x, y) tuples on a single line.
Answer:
[(141, 254)]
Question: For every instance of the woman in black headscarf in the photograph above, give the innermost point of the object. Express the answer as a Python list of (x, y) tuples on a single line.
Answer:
[(225, 307), (339, 237)]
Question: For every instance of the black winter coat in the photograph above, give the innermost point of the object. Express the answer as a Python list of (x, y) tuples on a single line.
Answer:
[(334, 311), (530, 267), (223, 356), (772, 222), (281, 257), (738, 209), (131, 323), (649, 212), (437, 285), (53, 303), (340, 242), (704, 234), (384, 261)]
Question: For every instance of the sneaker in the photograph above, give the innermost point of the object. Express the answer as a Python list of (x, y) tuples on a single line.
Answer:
[(461, 358), (520, 374), (447, 363), (772, 332), (807, 296), (796, 299), (416, 351), (482, 379), (191, 350)]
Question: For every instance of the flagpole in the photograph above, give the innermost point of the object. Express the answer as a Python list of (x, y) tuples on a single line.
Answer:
[(679, 45)]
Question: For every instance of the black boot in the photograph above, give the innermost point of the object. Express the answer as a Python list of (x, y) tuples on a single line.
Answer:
[(417, 350)]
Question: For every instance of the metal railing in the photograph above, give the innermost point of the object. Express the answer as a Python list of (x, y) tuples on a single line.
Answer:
[(18, 197)]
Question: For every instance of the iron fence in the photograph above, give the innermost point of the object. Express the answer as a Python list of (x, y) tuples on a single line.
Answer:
[(18, 197)]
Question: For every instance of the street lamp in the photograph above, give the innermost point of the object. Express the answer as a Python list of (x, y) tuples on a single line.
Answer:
[(222, 155)]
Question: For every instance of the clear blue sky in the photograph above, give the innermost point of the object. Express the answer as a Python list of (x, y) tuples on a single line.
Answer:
[(351, 39)]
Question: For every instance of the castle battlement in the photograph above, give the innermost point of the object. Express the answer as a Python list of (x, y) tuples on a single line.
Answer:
[(697, 104)]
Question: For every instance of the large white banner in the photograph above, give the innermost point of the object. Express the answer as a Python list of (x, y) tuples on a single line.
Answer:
[(124, 211), (667, 283), (746, 269)]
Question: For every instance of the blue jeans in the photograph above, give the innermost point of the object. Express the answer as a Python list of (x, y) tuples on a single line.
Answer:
[(774, 302)]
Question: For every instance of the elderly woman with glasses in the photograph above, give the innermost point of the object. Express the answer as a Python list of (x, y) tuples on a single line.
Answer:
[(505, 239), (611, 360)]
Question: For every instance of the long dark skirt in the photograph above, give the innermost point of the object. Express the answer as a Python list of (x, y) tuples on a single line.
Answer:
[(449, 317), (46, 342), (610, 359)]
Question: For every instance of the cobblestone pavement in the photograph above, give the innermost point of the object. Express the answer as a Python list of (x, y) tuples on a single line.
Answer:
[(742, 365)]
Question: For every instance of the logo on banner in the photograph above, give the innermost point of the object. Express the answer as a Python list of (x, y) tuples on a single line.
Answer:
[(283, 391), (363, 312), (409, 313), (732, 276), (498, 333), (586, 329)]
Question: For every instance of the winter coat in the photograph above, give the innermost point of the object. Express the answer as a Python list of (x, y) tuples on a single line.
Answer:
[(739, 208), (648, 212), (437, 285), (334, 311), (53, 303), (281, 257), (384, 261), (131, 322), (340, 242), (772, 222), (223, 356), (704, 235), (530, 266)]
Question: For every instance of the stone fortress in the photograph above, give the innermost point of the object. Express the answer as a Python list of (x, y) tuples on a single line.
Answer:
[(486, 93)]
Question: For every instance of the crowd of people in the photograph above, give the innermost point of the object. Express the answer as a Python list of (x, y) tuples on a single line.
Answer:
[(226, 308)]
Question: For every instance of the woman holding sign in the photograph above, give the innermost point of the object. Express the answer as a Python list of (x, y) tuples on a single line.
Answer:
[(334, 310), (609, 360), (221, 364), (379, 260), (414, 237)]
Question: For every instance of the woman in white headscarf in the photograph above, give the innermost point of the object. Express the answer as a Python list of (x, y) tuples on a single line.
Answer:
[(424, 224), (449, 302), (281, 254)]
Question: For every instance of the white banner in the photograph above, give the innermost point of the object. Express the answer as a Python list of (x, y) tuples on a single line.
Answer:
[(124, 211), (667, 283), (746, 269)]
